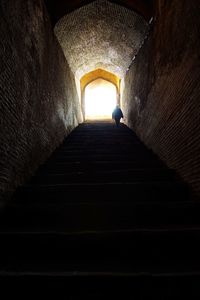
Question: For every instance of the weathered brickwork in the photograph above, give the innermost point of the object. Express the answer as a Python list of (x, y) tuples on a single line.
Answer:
[(101, 35), (162, 89), (38, 99)]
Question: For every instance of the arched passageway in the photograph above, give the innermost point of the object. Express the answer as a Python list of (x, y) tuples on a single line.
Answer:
[(100, 99), (106, 203), (100, 91)]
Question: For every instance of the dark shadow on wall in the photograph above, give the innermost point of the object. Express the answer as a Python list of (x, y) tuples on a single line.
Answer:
[(162, 89), (39, 104)]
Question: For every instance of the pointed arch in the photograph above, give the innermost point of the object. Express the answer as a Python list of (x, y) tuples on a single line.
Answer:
[(94, 75), (100, 73)]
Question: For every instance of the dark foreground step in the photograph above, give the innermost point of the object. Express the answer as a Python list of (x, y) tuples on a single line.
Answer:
[(98, 286), (101, 157), (92, 234), (77, 217), (84, 165), (133, 251), (104, 192), (99, 176), (104, 150)]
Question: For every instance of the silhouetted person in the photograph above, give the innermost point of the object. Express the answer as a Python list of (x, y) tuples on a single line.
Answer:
[(117, 115)]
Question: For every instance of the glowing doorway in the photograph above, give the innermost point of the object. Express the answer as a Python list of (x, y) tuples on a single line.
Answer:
[(100, 99)]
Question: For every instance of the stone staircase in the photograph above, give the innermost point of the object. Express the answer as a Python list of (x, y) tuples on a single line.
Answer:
[(102, 218)]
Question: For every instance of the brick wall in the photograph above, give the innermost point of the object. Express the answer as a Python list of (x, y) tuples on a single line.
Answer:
[(162, 88), (38, 98)]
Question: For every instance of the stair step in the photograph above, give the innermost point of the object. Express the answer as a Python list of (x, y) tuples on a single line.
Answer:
[(101, 285), (77, 217), (102, 211), (137, 251), (103, 176), (104, 164), (125, 191), (102, 157)]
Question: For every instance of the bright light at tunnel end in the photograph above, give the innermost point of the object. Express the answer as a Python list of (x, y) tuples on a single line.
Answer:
[(100, 99)]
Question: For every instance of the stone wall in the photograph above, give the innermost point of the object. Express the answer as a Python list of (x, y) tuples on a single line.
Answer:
[(162, 88), (39, 104)]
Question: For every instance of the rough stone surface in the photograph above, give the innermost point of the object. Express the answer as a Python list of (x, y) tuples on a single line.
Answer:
[(38, 99), (162, 89), (101, 35)]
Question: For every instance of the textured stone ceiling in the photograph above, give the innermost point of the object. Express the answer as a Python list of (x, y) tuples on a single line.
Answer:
[(101, 35)]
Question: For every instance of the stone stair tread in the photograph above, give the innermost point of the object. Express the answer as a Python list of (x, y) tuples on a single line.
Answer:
[(105, 192), (104, 176), (102, 204), (146, 251), (99, 216), (80, 164), (102, 285)]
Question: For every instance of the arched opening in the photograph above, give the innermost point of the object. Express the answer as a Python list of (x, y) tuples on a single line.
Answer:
[(100, 99), (100, 89)]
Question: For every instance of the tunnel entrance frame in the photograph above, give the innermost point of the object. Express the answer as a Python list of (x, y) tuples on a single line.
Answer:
[(94, 75)]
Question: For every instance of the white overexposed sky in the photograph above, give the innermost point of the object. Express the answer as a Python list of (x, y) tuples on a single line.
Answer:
[(100, 99)]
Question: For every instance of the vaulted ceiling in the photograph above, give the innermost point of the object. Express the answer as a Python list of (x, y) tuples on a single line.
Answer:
[(101, 33)]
